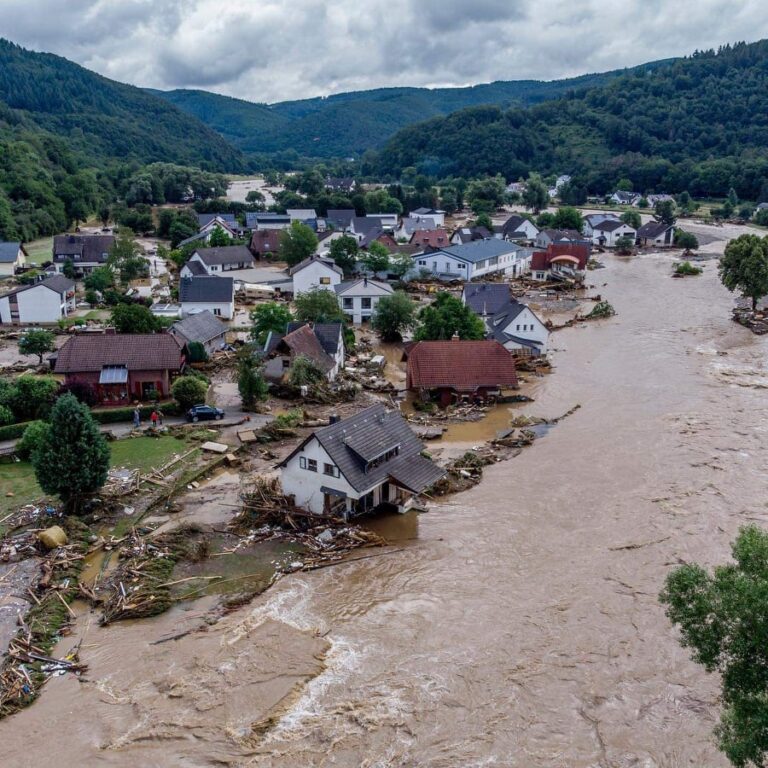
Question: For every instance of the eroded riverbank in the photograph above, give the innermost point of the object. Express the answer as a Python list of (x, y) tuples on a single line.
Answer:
[(518, 625)]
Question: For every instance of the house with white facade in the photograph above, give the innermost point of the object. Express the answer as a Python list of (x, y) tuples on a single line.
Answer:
[(656, 233), (202, 328), (358, 298), (214, 261), (44, 302), (473, 260), (268, 221), (86, 252), (207, 292), (315, 272), (624, 198), (593, 219), (385, 220), (517, 228), (518, 329), (357, 464), (207, 230), (436, 215), (12, 257), (608, 233), (322, 343), (409, 225)]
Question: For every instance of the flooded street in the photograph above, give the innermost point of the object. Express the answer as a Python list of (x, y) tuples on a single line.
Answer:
[(515, 625)]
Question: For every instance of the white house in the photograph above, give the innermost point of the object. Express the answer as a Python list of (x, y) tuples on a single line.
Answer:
[(409, 225), (356, 464), (385, 220), (437, 216), (315, 272), (86, 252), (44, 302), (518, 329), (559, 183), (207, 292), (269, 221), (473, 260), (608, 233), (214, 261), (322, 343), (518, 227), (624, 198), (203, 328), (12, 256), (215, 223), (358, 298), (656, 233), (593, 219)]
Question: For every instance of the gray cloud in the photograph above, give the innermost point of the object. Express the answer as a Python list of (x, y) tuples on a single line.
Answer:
[(271, 50)]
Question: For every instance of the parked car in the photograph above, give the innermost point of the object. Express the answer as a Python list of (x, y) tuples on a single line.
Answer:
[(204, 413)]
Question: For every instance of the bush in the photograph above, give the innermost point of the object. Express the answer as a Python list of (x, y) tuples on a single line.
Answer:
[(33, 434), (13, 431), (196, 352), (115, 415), (6, 415), (305, 372), (29, 397), (189, 391), (686, 268)]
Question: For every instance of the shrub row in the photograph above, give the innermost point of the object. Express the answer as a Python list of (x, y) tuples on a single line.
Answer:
[(13, 431), (113, 415)]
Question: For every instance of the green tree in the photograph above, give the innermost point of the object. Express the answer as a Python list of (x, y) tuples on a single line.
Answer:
[(624, 185), (99, 279), (196, 352), (447, 316), (380, 201), (188, 391), (297, 243), (254, 197), (6, 415), (305, 372), (744, 267), (36, 341), (71, 459), (733, 198), (343, 251), (722, 619), (400, 264), (219, 238), (267, 317), (376, 259), (536, 195), (643, 202), (29, 397), (686, 240), (664, 211), (105, 215), (318, 306), (632, 219), (567, 217), (624, 245), (486, 195), (134, 318), (394, 315), (761, 217), (126, 258), (68, 269), (484, 220), (250, 382)]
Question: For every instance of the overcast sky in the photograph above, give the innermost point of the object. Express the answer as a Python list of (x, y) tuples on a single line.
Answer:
[(272, 50)]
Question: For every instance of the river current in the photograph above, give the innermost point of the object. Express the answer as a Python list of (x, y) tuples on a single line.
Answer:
[(517, 625)]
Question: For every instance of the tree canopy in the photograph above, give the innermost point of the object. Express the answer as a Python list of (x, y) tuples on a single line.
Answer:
[(267, 317), (445, 317), (744, 267), (36, 341), (297, 243), (393, 316), (318, 306)]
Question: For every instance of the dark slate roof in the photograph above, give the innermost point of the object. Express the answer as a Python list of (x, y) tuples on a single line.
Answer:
[(208, 288), (228, 254), (479, 250), (609, 225), (486, 298), (340, 218), (271, 218), (207, 218), (328, 334), (9, 252), (196, 268), (370, 236), (373, 432), (364, 224), (653, 229), (330, 263), (193, 239), (513, 224), (201, 327), (463, 366), (90, 248), (595, 218), (57, 283), (139, 351)]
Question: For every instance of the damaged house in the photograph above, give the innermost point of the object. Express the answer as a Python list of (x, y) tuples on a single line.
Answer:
[(321, 343), (458, 371), (354, 465)]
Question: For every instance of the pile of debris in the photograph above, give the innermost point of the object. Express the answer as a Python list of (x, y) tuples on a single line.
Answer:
[(757, 322), (268, 514), (463, 473), (600, 310)]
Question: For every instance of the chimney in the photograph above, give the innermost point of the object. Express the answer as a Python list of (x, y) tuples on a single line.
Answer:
[(455, 337), (334, 418)]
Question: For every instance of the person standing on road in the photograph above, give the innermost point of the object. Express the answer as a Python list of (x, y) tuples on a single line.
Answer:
[(136, 418), (154, 419)]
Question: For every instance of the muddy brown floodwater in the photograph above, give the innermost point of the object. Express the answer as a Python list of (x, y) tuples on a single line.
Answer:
[(518, 626)]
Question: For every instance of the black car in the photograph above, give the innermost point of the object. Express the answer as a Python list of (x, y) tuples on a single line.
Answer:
[(204, 413)]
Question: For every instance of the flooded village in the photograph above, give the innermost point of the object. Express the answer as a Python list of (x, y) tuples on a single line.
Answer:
[(446, 549)]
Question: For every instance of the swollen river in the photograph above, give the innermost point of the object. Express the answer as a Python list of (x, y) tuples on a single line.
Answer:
[(518, 625)]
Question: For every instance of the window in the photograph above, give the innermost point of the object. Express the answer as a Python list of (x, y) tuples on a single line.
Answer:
[(366, 303), (422, 263), (308, 464), (330, 469), (518, 326), (325, 281), (217, 311), (493, 261), (347, 303)]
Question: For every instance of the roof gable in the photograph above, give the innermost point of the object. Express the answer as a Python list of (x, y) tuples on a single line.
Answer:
[(206, 289), (140, 351)]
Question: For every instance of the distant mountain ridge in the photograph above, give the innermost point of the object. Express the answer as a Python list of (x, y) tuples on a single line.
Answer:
[(351, 123)]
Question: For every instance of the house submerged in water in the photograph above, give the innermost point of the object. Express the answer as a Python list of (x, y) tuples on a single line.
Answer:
[(372, 459)]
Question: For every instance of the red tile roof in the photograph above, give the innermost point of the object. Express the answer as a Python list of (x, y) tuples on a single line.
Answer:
[(304, 342), (436, 238), (265, 241), (140, 351), (463, 366)]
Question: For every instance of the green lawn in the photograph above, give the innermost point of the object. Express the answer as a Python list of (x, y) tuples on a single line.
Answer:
[(140, 453), (39, 250)]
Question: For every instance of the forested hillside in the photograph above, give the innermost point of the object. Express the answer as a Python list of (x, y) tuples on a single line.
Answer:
[(351, 123), (699, 124), (71, 141)]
